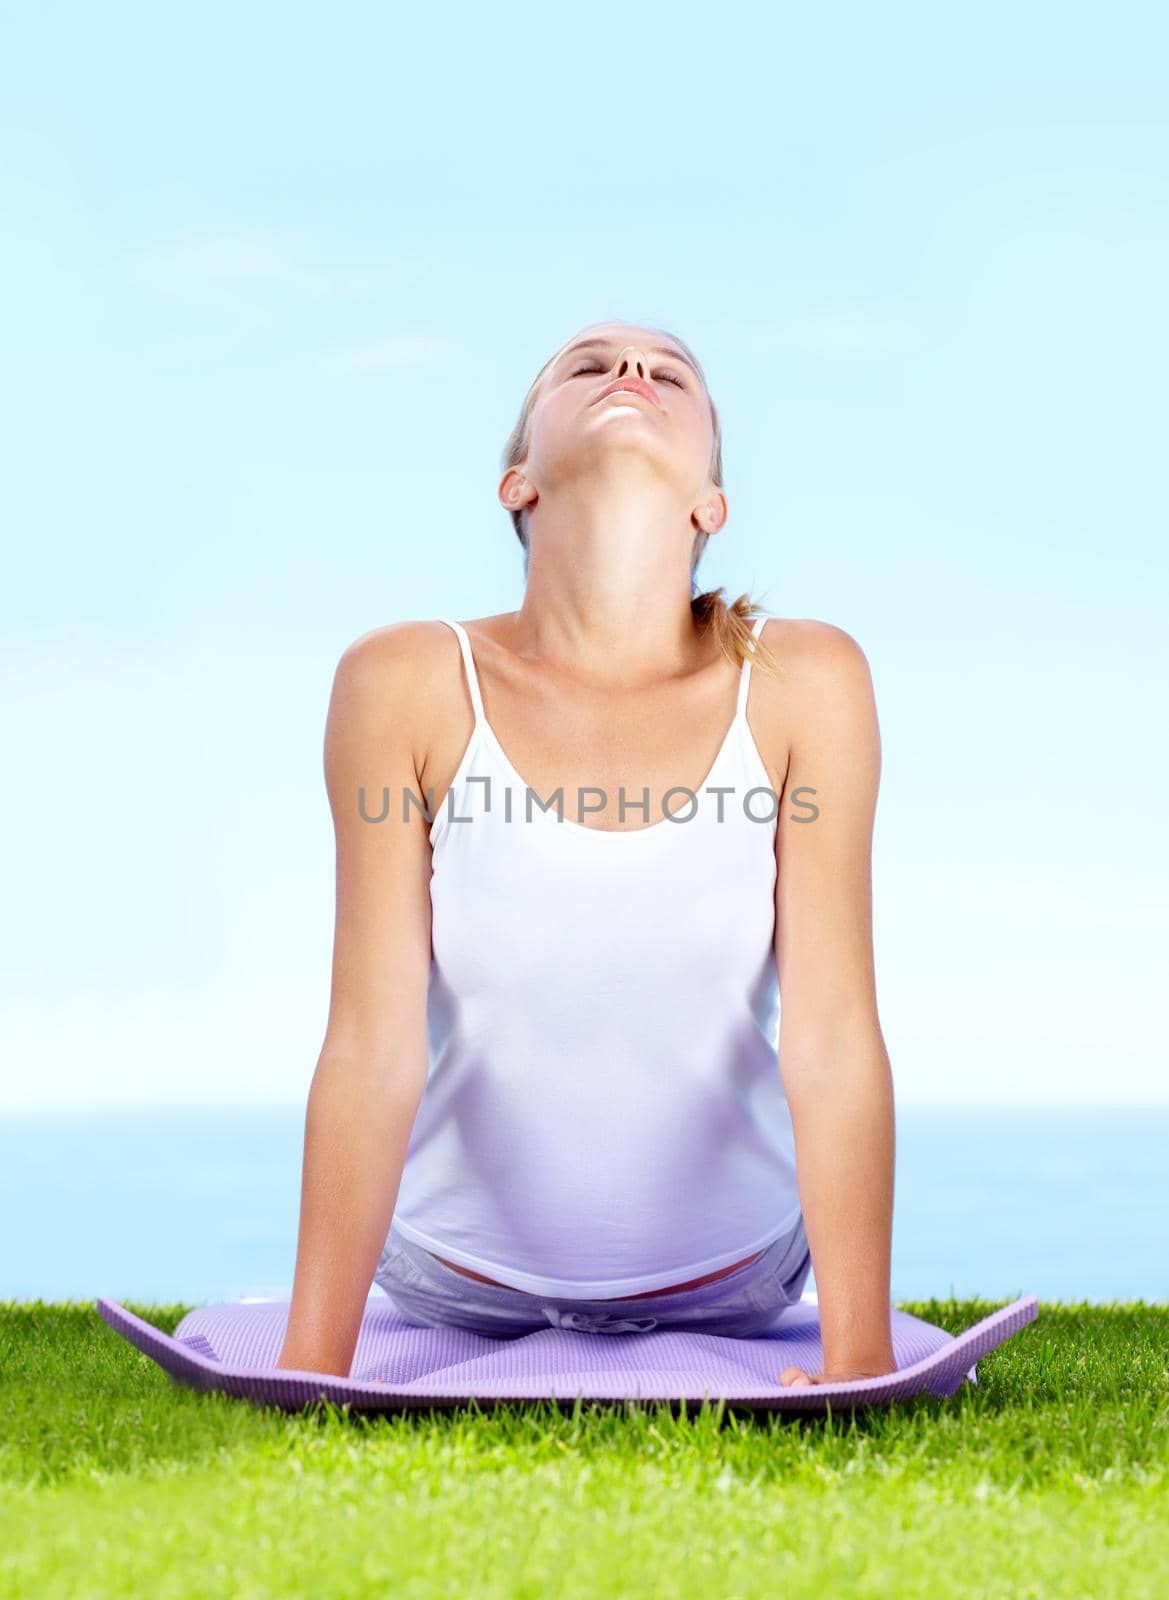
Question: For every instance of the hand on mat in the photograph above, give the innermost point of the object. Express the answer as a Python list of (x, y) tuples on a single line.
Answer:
[(795, 1377)]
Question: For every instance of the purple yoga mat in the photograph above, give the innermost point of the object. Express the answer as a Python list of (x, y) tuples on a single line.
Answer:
[(233, 1348)]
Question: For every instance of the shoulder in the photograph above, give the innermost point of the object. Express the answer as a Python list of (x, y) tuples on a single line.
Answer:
[(389, 685), (403, 669), (823, 684), (398, 650), (810, 648), (421, 652), (818, 663)]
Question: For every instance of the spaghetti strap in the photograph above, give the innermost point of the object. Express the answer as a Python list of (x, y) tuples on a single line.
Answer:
[(477, 697), (469, 666), (745, 675)]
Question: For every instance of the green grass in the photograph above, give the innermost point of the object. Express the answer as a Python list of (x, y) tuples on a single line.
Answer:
[(1048, 1479)]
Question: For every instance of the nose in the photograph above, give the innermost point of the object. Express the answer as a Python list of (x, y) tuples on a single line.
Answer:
[(632, 364)]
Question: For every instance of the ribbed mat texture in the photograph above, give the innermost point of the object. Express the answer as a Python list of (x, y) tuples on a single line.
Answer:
[(232, 1348)]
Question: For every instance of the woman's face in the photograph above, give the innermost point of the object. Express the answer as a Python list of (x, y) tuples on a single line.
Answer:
[(573, 428)]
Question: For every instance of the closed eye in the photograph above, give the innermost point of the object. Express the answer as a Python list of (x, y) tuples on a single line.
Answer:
[(595, 366)]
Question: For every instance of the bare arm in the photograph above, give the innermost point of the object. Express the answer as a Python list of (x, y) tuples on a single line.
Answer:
[(373, 1064), (832, 1054)]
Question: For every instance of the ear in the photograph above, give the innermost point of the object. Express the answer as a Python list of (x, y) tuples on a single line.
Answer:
[(711, 515), (516, 492)]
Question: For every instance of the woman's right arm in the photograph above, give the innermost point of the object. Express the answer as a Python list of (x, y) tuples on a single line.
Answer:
[(373, 1063)]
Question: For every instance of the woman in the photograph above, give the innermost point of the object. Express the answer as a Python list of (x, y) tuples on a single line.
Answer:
[(549, 1092)]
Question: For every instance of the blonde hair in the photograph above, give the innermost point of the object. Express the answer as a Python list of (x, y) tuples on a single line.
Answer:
[(730, 621)]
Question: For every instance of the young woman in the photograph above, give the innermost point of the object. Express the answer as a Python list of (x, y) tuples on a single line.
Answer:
[(582, 848)]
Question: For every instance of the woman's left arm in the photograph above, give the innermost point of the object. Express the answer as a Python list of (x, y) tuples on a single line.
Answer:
[(832, 1055)]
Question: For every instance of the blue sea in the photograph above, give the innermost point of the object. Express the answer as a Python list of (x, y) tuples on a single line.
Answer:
[(200, 1206)]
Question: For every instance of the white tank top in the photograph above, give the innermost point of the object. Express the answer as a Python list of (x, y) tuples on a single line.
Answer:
[(603, 1113)]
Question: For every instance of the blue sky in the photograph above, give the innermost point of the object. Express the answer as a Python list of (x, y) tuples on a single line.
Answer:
[(274, 285)]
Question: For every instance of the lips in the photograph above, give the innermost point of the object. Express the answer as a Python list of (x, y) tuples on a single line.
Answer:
[(629, 386)]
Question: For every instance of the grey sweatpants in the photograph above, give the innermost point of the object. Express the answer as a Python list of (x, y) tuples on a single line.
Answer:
[(747, 1301)]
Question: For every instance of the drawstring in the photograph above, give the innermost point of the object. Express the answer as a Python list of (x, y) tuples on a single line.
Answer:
[(597, 1322)]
